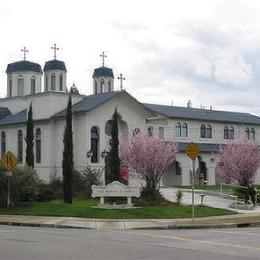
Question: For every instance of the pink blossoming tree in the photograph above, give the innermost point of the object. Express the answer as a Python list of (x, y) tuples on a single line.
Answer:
[(238, 161), (147, 157)]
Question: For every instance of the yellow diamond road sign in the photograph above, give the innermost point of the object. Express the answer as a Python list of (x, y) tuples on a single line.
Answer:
[(9, 161), (192, 150)]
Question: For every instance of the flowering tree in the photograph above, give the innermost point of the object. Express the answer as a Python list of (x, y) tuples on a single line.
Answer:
[(147, 157), (238, 161)]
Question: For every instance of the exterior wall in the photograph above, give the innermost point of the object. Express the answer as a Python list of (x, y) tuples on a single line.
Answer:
[(27, 76), (47, 75), (106, 82)]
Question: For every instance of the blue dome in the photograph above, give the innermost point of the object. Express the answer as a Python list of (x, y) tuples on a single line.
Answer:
[(54, 65), (23, 66), (103, 72)]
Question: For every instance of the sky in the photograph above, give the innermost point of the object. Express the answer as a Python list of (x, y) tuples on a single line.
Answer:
[(168, 51)]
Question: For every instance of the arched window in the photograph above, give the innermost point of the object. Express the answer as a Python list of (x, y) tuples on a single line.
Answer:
[(53, 81), (10, 87), (202, 131), (20, 86), (209, 131), (20, 146), (94, 144), (109, 86), (184, 130), (247, 133), (61, 82), (150, 131), (102, 83), (178, 129), (46, 83), (33, 85), (3, 143), (225, 132), (252, 134), (95, 87), (231, 133), (38, 145), (108, 127)]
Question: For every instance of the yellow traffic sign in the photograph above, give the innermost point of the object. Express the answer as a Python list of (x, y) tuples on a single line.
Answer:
[(192, 150), (9, 161)]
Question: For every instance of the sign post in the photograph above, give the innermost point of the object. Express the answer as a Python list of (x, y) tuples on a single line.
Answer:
[(192, 150), (9, 162)]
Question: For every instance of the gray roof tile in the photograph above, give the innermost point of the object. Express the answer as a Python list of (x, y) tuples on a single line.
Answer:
[(17, 118), (204, 114)]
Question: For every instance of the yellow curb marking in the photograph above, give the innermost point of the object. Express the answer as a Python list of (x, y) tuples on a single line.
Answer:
[(198, 241)]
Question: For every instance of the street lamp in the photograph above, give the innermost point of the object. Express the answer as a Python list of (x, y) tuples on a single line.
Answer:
[(89, 153)]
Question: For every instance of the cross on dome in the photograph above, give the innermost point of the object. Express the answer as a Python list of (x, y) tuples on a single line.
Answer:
[(55, 49), (24, 50), (103, 58)]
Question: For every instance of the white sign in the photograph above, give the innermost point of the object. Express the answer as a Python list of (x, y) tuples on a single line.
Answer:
[(115, 189)]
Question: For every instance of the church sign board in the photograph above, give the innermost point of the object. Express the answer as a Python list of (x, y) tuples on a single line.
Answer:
[(115, 189)]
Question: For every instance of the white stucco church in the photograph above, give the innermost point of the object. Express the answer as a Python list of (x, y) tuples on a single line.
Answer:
[(91, 122)]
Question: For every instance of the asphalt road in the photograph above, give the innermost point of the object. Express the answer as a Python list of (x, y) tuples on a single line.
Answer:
[(43, 243)]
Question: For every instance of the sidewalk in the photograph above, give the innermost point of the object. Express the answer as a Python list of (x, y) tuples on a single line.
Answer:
[(237, 220)]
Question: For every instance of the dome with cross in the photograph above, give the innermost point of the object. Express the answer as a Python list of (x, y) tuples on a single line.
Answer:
[(24, 65)]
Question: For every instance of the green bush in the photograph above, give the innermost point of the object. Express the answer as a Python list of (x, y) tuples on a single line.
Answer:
[(25, 181), (241, 193), (178, 195)]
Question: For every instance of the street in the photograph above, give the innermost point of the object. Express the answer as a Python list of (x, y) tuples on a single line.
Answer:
[(207, 244)]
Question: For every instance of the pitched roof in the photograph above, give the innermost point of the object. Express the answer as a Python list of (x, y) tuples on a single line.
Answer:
[(89, 103), (204, 114), (17, 118), (4, 111), (23, 65), (54, 65), (103, 72)]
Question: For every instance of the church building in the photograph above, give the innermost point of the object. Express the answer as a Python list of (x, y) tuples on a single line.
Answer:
[(46, 89)]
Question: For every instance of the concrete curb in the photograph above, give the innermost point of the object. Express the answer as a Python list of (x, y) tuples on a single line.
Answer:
[(158, 227)]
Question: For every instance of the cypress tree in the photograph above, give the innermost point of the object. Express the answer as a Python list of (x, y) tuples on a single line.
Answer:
[(67, 161), (113, 155), (29, 139)]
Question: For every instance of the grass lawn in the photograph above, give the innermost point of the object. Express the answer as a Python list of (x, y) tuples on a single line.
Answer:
[(82, 208)]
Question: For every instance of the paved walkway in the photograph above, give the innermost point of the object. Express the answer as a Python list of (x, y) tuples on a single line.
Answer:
[(212, 201)]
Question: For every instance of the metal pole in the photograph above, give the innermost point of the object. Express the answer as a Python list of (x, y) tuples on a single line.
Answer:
[(193, 176), (8, 192)]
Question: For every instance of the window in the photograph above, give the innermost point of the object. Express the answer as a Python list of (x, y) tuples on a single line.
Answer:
[(184, 130), (150, 131), (252, 134), (247, 133), (202, 131), (231, 133), (102, 83), (33, 86), (94, 144), (53, 81), (46, 83), (20, 146), (3, 143), (225, 132), (20, 87), (38, 145), (209, 131), (108, 127), (10, 87), (61, 82), (178, 129), (177, 168), (95, 87), (109, 86), (161, 132)]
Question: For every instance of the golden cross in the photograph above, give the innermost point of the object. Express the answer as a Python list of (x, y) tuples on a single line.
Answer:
[(103, 58), (121, 81), (55, 49), (24, 50)]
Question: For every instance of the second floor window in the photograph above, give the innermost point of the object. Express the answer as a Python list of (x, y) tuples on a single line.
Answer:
[(252, 134), (32, 86), (231, 133), (202, 131), (10, 87), (247, 133), (225, 132), (20, 87), (53, 81), (209, 131), (161, 132), (184, 130), (61, 82), (178, 129), (150, 131)]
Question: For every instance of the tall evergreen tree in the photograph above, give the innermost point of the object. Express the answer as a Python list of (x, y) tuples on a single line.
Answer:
[(113, 154), (29, 139), (67, 161)]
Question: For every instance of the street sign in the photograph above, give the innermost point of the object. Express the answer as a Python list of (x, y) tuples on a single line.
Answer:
[(9, 161), (192, 150)]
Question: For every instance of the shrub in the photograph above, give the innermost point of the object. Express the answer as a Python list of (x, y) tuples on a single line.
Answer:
[(25, 183), (241, 193), (178, 195)]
